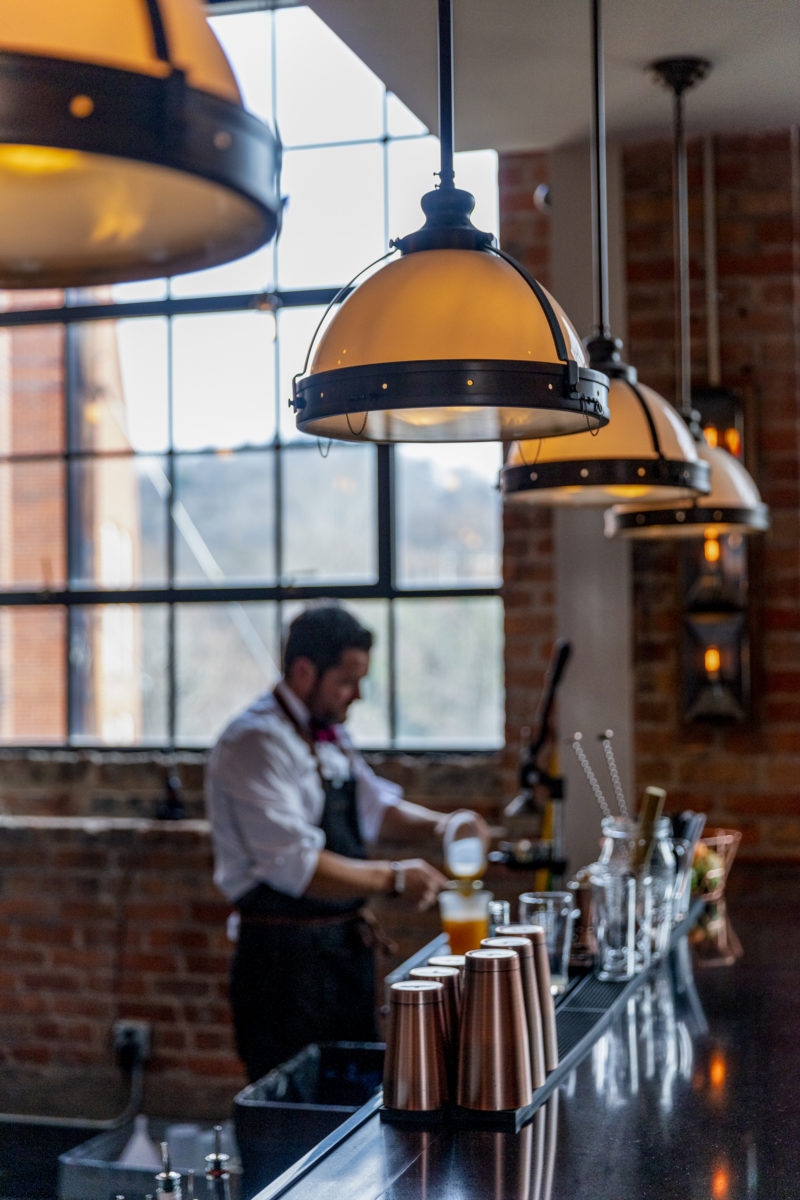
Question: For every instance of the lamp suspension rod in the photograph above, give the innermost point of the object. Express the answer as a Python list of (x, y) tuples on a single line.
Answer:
[(682, 242), (710, 243), (679, 74), (446, 174), (599, 173)]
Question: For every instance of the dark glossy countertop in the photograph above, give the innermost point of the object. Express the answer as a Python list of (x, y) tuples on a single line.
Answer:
[(691, 1091)]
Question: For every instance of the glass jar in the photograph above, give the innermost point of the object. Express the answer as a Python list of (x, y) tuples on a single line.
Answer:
[(616, 853)]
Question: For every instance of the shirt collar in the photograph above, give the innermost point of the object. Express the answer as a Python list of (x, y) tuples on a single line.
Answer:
[(293, 702)]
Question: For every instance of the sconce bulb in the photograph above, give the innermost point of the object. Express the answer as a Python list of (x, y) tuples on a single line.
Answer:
[(712, 660), (711, 549)]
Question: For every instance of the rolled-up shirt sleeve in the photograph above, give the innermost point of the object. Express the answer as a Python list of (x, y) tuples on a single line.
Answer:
[(374, 795), (265, 802)]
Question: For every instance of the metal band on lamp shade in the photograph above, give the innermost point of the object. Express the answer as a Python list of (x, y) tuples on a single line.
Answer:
[(733, 506), (449, 345), (645, 453), (125, 152)]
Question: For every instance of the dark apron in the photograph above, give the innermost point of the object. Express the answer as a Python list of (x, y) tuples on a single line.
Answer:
[(303, 970)]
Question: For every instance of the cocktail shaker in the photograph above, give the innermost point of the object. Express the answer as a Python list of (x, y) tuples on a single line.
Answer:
[(494, 1066), (415, 1068), (533, 1011), (541, 962), (450, 979)]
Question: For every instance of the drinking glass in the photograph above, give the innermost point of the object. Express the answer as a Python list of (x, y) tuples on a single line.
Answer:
[(465, 916), (556, 913)]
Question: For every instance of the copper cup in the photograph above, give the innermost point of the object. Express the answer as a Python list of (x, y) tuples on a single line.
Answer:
[(415, 1068), (541, 962), (452, 960), (448, 960), (450, 979), (533, 1011), (494, 1065)]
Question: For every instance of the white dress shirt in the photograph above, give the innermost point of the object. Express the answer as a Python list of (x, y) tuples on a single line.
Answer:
[(265, 797)]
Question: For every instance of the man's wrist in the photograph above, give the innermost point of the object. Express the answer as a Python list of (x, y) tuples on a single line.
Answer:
[(398, 879)]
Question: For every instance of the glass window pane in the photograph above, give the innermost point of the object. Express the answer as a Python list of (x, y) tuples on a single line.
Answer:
[(476, 172), (400, 119), (333, 225), (240, 660), (412, 172), (33, 694), (252, 273), (246, 39), (325, 92), (448, 515), (296, 328), (223, 380), (118, 384), (119, 516), (329, 514), (32, 525), (449, 665), (32, 389), (224, 515), (141, 289), (368, 720), (118, 665), (413, 165)]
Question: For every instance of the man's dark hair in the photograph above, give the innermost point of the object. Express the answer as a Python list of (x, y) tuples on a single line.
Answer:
[(323, 633)]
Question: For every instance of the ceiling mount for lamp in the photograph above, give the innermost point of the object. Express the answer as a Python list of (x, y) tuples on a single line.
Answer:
[(453, 341), (646, 452), (125, 152), (733, 504)]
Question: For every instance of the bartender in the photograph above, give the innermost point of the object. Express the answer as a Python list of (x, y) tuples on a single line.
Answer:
[(293, 807)]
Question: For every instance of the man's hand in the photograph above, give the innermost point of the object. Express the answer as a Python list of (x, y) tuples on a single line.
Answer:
[(421, 882)]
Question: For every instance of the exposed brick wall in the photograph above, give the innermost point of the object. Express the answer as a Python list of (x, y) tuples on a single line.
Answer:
[(107, 919), (106, 916), (528, 564), (747, 776)]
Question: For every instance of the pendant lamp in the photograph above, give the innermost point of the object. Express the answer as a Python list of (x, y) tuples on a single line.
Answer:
[(453, 341), (733, 504), (646, 452), (125, 152)]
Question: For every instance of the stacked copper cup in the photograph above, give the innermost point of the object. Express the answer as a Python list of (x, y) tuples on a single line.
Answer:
[(536, 936), (415, 1075), (494, 1059), (476, 1031), (523, 948)]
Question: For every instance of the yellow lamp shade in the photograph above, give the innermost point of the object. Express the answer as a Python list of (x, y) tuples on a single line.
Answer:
[(733, 505), (448, 345), (121, 35), (646, 452), (125, 152)]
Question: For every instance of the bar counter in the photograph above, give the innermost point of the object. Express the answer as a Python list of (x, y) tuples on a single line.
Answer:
[(690, 1091)]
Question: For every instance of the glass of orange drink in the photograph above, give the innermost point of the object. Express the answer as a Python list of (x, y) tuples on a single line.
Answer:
[(464, 910)]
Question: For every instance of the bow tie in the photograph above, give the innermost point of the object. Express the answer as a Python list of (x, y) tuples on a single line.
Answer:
[(320, 732)]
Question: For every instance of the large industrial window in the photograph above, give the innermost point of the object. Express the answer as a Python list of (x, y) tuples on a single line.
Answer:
[(162, 519)]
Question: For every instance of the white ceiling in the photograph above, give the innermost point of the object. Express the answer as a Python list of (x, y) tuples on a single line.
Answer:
[(523, 68)]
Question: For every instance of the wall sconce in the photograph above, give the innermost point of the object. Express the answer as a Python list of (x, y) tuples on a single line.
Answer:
[(716, 669)]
